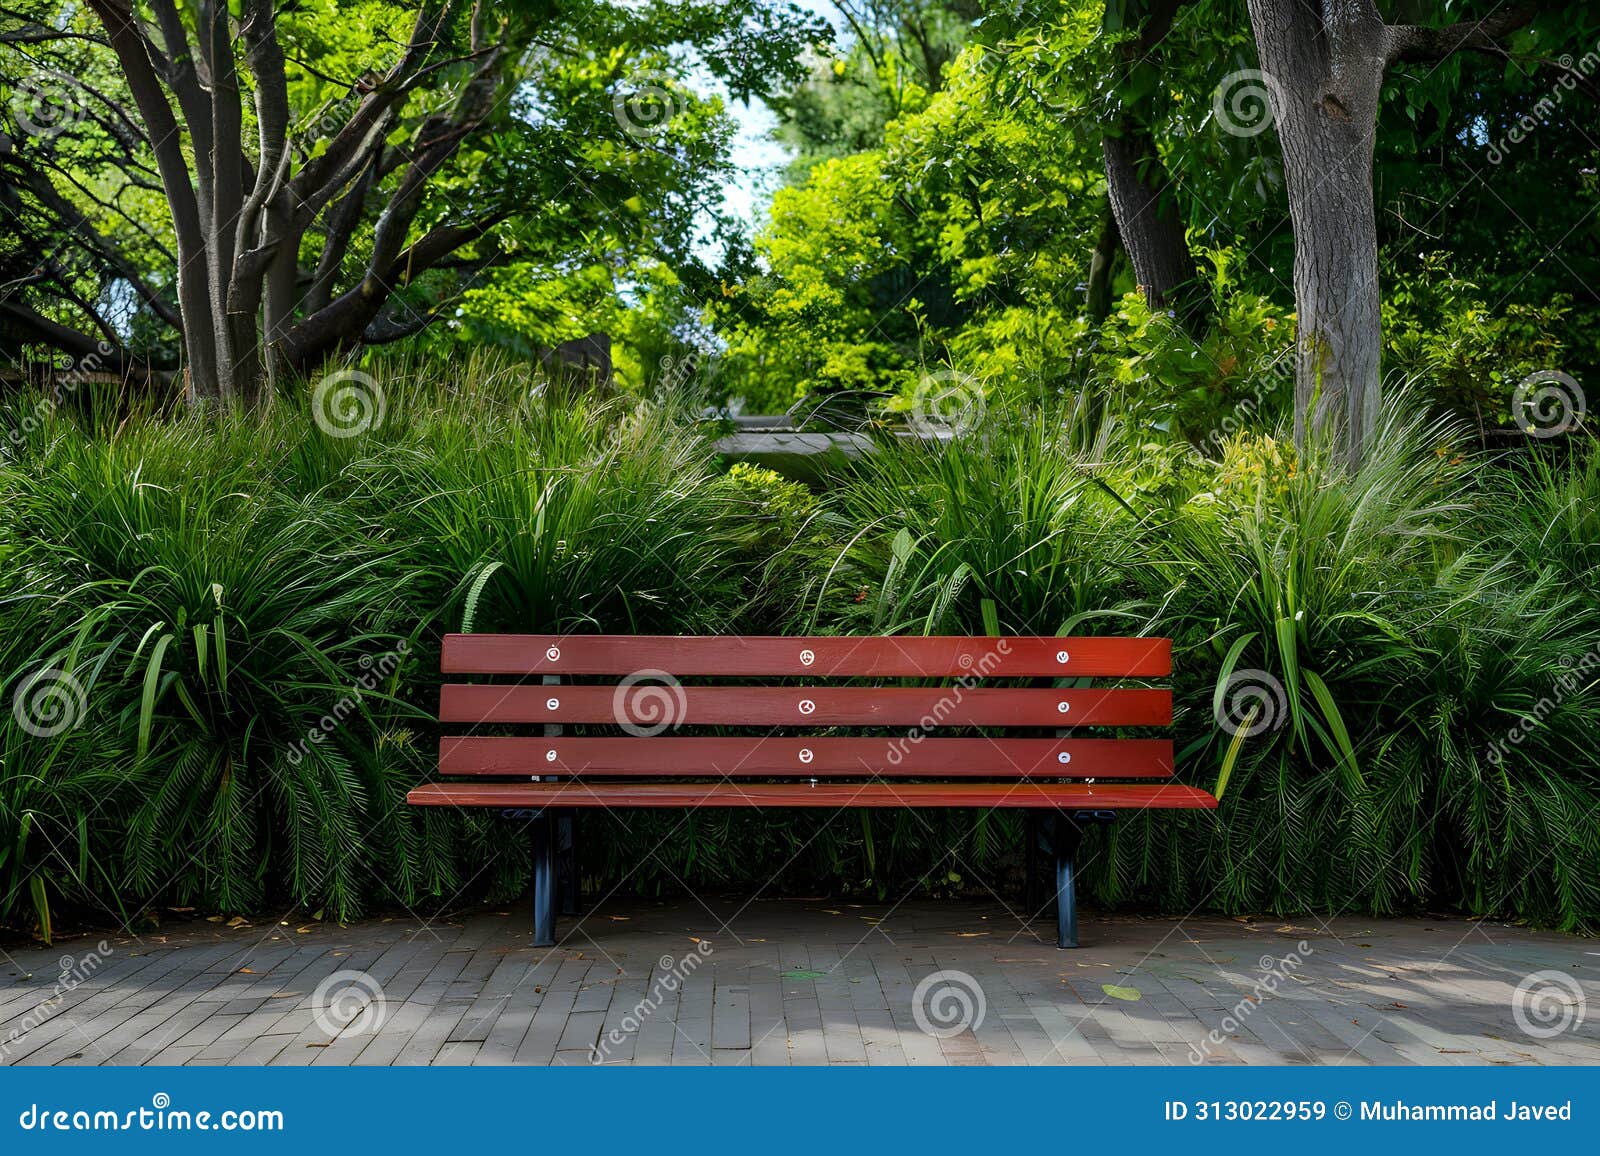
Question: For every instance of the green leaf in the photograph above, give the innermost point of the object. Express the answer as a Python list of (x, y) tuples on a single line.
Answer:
[(469, 612), (147, 701), (201, 650), (1330, 711), (991, 617), (1231, 755), (1226, 672), (41, 905), (222, 655)]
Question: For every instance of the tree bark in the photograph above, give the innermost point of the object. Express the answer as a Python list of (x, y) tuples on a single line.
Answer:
[(1147, 220), (1324, 66), (1097, 300), (1324, 76), (194, 289), (1143, 198)]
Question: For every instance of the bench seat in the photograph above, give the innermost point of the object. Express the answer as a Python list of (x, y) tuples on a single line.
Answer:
[(577, 793)]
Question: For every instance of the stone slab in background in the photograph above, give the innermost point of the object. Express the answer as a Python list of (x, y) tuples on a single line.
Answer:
[(803, 457)]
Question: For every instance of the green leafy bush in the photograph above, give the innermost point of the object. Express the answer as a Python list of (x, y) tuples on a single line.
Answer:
[(242, 616), (1440, 329), (1389, 675)]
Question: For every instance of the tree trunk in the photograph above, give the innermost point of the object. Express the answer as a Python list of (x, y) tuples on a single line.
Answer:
[(194, 285), (1152, 232), (1097, 301), (1337, 383), (1144, 204), (1324, 76)]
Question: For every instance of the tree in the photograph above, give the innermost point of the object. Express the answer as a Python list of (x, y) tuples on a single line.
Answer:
[(1323, 70), (893, 63), (959, 244), (1322, 84), (1143, 197), (334, 174)]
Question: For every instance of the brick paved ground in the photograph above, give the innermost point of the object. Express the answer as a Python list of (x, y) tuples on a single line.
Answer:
[(806, 982)]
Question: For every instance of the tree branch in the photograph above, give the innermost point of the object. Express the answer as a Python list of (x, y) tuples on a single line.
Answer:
[(52, 333), (1413, 42), (133, 52)]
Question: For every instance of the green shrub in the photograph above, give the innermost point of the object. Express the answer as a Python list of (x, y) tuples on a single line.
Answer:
[(249, 609), (239, 620), (1439, 328)]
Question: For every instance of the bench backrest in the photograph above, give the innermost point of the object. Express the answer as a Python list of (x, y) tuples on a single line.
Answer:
[(1003, 710)]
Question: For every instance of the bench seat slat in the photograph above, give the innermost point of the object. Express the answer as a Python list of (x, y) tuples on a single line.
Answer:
[(751, 757), (859, 657), (581, 793), (805, 706)]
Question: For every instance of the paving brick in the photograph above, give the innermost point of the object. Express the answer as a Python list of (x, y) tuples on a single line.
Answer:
[(799, 983)]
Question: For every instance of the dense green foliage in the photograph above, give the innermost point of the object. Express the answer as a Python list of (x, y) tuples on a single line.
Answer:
[(219, 631), (590, 180), (950, 217), (240, 621)]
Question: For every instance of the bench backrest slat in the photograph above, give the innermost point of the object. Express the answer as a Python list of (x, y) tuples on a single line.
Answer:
[(648, 703), (832, 657), (961, 727), (747, 757)]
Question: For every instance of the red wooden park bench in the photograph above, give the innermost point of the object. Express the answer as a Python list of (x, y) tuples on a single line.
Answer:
[(970, 722)]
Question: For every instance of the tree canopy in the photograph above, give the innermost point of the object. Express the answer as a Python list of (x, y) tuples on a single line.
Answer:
[(1023, 194), (979, 228), (224, 186)]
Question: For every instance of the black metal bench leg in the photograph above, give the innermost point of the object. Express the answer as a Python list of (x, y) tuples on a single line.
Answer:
[(544, 880), (1066, 841)]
